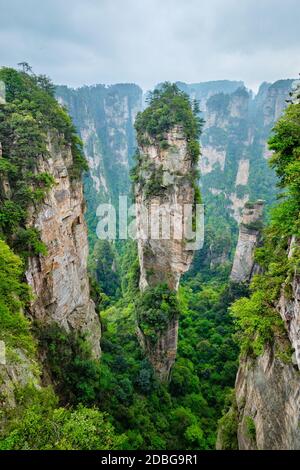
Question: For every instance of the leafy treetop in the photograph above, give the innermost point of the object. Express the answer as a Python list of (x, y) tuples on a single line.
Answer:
[(168, 107)]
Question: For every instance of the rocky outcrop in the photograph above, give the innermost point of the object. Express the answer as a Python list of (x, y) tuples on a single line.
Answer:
[(268, 403), (249, 237), (17, 372), (233, 143), (59, 279), (162, 356), (289, 303), (164, 260), (266, 410), (164, 181)]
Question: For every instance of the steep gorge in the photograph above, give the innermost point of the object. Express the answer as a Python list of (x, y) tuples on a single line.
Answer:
[(51, 238), (104, 117)]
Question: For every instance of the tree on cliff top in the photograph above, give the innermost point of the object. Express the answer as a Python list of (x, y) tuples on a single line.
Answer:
[(168, 107)]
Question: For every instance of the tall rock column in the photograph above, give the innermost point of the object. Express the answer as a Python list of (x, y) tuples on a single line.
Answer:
[(244, 265), (165, 181)]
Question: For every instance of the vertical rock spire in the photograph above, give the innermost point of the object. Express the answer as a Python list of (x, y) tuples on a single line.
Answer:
[(249, 236), (165, 184)]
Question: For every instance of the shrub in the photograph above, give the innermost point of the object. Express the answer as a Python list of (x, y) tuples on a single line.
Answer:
[(155, 307)]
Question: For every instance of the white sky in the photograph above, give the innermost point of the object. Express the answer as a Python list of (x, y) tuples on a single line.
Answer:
[(80, 42)]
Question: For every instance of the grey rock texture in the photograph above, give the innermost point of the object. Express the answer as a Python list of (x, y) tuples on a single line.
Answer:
[(268, 394), (249, 236), (267, 388), (164, 260), (104, 117), (18, 372), (289, 305), (59, 280)]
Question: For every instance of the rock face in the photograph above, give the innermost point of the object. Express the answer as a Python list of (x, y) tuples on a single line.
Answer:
[(59, 280), (289, 306), (234, 163), (104, 117), (268, 397), (234, 142), (16, 373), (249, 236), (163, 261), (267, 388)]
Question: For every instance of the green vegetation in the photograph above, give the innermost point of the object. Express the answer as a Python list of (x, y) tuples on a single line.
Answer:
[(103, 268), (14, 296), (155, 307), (250, 428), (122, 390), (257, 319), (227, 427), (109, 141), (169, 107), (257, 225), (29, 118), (117, 403), (37, 423), (183, 414)]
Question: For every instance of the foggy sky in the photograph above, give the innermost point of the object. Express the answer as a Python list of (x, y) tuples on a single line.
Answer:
[(80, 42)]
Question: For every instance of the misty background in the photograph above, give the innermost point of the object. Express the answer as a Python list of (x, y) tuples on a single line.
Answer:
[(79, 42)]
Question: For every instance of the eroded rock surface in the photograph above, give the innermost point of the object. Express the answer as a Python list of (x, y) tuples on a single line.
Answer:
[(59, 280), (249, 237), (163, 261)]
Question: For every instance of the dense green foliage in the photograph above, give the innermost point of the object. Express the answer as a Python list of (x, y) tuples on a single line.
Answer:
[(14, 295), (104, 116), (144, 413), (169, 107), (238, 127), (227, 429), (155, 308), (27, 119), (103, 268), (37, 423), (181, 415), (184, 414), (257, 318)]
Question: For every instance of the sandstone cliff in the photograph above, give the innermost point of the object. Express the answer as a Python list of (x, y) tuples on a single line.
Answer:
[(244, 266), (234, 144), (42, 221), (59, 279), (266, 410), (268, 403)]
